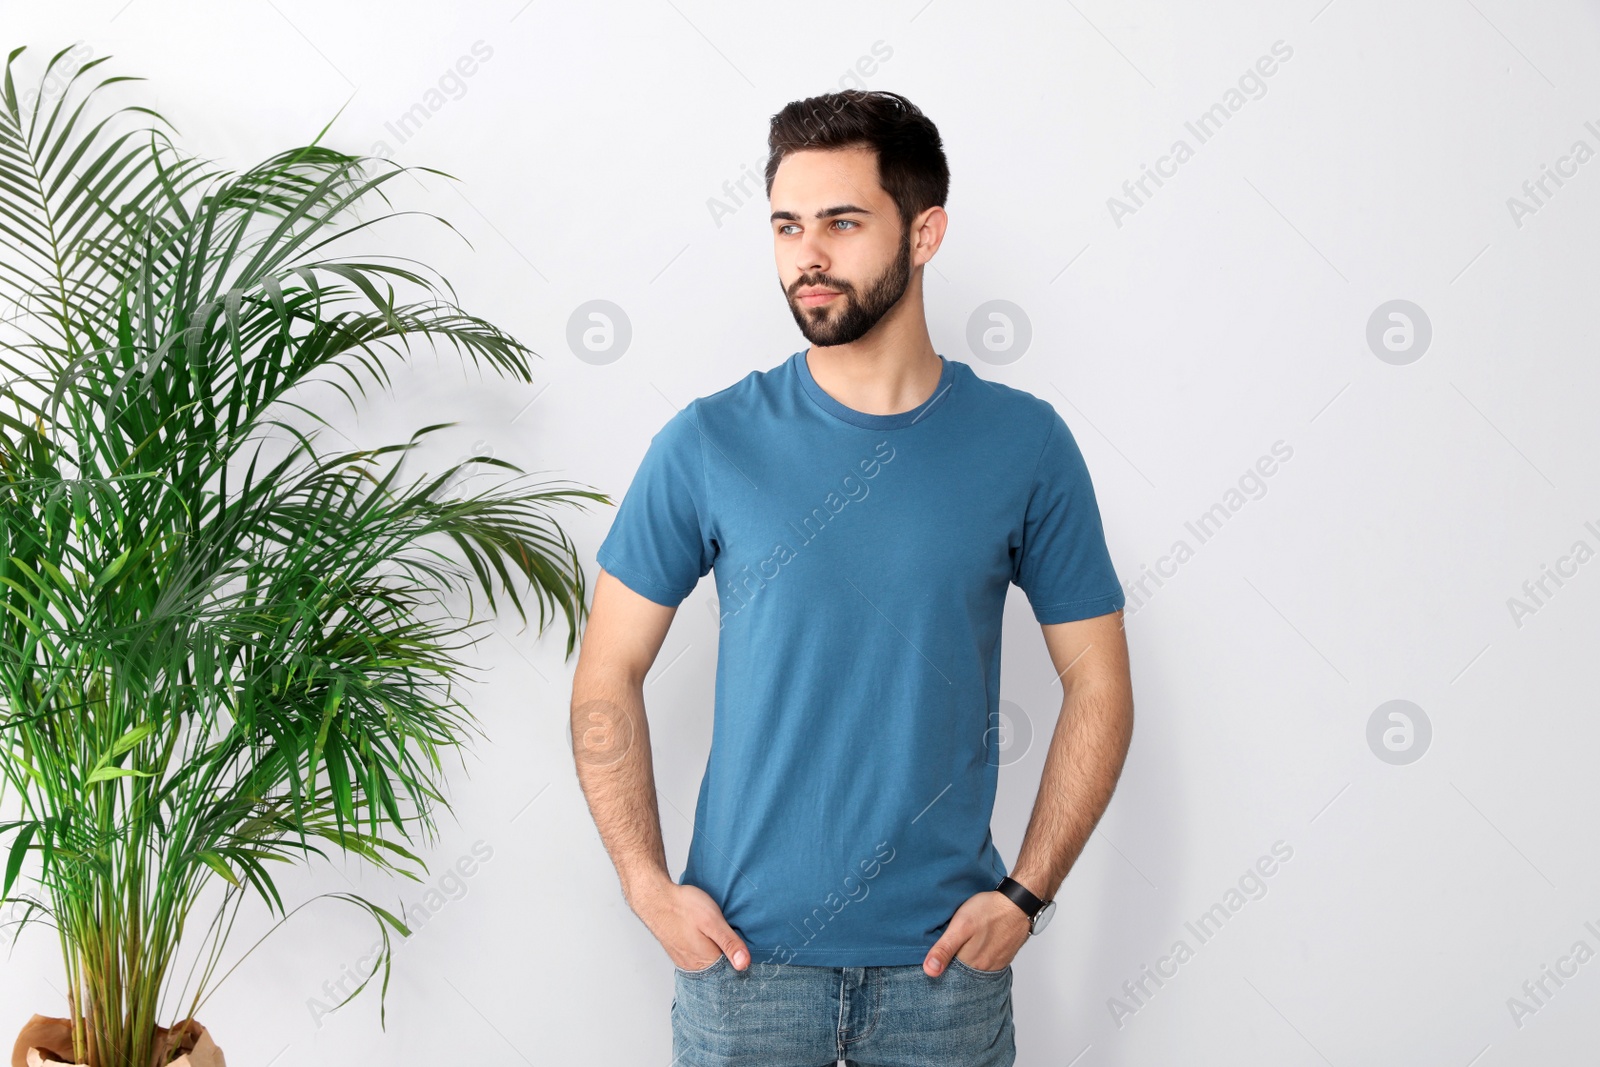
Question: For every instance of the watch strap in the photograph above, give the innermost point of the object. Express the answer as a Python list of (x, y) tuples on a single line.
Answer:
[(1021, 896)]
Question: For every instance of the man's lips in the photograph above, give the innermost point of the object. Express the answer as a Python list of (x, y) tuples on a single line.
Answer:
[(812, 298)]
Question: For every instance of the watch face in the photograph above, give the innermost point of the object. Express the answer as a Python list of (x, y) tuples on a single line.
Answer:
[(1041, 920)]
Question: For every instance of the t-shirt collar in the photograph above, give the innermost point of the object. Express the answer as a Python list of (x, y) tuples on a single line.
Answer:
[(861, 418)]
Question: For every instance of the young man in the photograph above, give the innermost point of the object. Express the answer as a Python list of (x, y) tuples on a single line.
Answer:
[(865, 504)]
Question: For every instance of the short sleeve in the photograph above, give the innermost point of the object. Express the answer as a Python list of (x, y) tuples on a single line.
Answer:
[(1063, 564), (660, 544)]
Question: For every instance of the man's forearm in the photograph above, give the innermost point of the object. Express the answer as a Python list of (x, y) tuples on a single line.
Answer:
[(611, 748), (1081, 769)]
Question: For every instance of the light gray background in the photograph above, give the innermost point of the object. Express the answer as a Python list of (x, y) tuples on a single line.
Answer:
[(1228, 312)]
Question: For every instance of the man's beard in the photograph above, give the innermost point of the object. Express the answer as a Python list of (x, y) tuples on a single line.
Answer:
[(829, 328)]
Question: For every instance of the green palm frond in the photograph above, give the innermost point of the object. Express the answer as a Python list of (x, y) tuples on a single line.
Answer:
[(211, 661)]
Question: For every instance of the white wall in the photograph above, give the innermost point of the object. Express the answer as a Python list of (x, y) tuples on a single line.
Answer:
[(1228, 312)]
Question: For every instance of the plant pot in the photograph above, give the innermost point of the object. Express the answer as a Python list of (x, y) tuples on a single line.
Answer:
[(45, 1040)]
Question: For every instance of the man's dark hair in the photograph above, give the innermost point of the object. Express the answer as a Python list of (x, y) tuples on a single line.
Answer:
[(911, 163)]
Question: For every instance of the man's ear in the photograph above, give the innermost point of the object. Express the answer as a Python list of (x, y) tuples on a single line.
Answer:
[(928, 234)]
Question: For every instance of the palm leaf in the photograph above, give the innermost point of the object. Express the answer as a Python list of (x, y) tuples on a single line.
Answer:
[(212, 661)]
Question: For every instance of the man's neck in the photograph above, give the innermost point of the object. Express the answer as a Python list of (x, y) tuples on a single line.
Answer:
[(876, 379)]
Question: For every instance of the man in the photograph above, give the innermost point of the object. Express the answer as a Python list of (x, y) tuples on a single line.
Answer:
[(865, 504)]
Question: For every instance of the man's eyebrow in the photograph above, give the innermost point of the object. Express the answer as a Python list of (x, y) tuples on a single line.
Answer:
[(825, 213)]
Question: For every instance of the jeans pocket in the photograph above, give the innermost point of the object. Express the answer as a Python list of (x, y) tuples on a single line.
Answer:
[(980, 972), (707, 969)]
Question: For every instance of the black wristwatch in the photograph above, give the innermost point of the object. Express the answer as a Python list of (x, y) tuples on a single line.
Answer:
[(1038, 911)]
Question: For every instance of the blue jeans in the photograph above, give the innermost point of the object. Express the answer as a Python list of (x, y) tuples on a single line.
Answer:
[(790, 1015)]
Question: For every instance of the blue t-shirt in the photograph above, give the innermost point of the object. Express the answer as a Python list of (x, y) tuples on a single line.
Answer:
[(862, 563)]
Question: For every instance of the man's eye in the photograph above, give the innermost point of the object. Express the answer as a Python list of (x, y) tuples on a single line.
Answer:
[(787, 227)]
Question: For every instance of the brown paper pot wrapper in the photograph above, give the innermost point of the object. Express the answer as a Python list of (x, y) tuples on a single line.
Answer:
[(45, 1040)]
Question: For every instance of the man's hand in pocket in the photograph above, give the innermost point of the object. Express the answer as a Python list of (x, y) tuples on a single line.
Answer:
[(690, 927)]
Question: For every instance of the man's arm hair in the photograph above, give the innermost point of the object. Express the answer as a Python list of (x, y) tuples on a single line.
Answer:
[(1087, 748), (610, 734)]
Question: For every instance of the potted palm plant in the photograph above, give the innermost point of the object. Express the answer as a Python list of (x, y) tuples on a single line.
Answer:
[(212, 662)]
